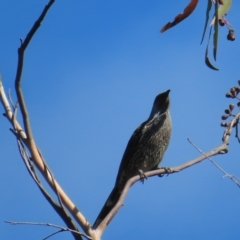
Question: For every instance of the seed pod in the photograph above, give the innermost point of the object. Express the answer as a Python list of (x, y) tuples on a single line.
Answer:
[(224, 124), (230, 35), (233, 92), (237, 89), (232, 89), (231, 106), (224, 117), (221, 22), (232, 38), (227, 111), (229, 95)]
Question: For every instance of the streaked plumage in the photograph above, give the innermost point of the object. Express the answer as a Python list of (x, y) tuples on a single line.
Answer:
[(144, 150)]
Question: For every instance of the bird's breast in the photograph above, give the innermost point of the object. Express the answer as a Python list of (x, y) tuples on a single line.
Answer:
[(149, 151)]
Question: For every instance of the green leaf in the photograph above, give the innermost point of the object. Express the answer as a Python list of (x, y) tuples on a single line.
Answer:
[(209, 6), (207, 61), (223, 9), (215, 36)]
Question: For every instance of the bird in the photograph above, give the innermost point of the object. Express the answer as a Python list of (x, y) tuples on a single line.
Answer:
[(144, 151)]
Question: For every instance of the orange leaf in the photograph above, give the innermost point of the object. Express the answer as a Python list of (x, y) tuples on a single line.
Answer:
[(187, 11)]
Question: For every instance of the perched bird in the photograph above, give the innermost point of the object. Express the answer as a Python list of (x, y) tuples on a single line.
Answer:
[(144, 150)]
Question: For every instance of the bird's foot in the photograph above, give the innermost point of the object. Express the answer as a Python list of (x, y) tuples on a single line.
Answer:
[(167, 169), (142, 175)]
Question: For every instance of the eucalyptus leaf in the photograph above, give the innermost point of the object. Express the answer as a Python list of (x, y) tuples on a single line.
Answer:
[(215, 36), (223, 9), (209, 6)]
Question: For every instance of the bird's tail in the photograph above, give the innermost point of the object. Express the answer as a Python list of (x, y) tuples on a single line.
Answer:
[(108, 206)]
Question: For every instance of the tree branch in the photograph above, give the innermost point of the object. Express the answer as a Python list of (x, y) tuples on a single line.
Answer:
[(222, 149), (21, 51), (49, 225), (59, 209), (9, 114), (233, 178), (27, 137)]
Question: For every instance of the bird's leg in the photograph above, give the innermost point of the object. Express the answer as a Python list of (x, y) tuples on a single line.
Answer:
[(167, 169), (142, 175)]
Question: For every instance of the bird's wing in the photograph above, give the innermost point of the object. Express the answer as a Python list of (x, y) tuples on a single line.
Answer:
[(142, 134)]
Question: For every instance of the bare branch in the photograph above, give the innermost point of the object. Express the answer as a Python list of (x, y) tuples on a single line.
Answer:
[(30, 143), (28, 137), (28, 163), (233, 178), (42, 166), (52, 234), (236, 135), (55, 233), (222, 149), (228, 130), (101, 227), (37, 158), (10, 99), (8, 112), (59, 209), (49, 225), (21, 51)]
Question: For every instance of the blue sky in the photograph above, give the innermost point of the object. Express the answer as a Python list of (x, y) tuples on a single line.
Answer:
[(91, 74)]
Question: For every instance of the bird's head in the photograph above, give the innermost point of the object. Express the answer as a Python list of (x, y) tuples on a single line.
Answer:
[(161, 104)]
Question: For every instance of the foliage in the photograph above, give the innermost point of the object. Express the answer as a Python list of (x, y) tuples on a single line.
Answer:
[(221, 9)]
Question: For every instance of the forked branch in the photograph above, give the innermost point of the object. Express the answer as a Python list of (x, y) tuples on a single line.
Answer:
[(25, 135), (25, 139), (21, 51)]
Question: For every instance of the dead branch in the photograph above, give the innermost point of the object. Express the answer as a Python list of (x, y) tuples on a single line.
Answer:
[(59, 209), (9, 113), (35, 156), (233, 178), (27, 137), (62, 229), (21, 51)]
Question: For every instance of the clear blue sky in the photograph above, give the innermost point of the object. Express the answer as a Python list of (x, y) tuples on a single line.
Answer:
[(91, 74)]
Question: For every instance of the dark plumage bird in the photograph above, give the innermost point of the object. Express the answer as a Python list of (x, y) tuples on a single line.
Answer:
[(144, 151)]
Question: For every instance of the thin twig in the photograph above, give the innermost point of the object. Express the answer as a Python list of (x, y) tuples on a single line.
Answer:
[(10, 99), (59, 209), (8, 112), (229, 128), (49, 225), (236, 135), (29, 165), (52, 176), (70, 223), (52, 234), (14, 117), (21, 51), (232, 177)]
